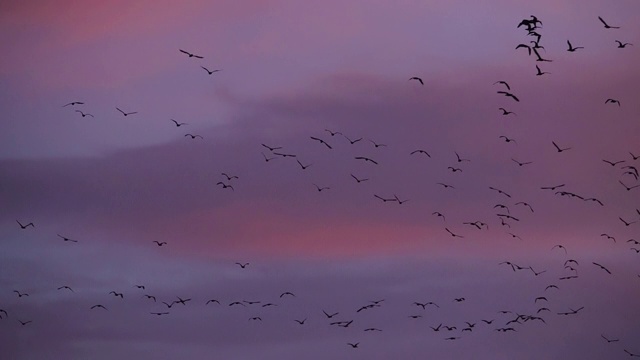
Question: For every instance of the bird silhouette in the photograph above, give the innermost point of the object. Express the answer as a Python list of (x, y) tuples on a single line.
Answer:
[(559, 148), (505, 112), (159, 243), (607, 26), (612, 101), (358, 180), (66, 239), (540, 72), (321, 141), (193, 136), (84, 114), (190, 54), (25, 226), (417, 79), (210, 72), (73, 103), (508, 94), (242, 265), (571, 48), (126, 113), (503, 83), (178, 124)]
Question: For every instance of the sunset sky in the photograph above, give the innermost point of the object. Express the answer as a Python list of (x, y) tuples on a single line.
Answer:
[(291, 70)]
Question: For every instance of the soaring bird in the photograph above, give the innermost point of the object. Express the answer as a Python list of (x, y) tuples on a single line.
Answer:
[(571, 48), (559, 148), (25, 226), (612, 101), (607, 26), (160, 243), (193, 136), (508, 94), (190, 54), (540, 72), (64, 238), (418, 79), (84, 114), (622, 45), (178, 124), (503, 83), (210, 72), (126, 113), (73, 103), (505, 112)]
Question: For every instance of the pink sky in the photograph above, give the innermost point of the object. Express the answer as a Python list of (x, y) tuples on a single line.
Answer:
[(290, 70)]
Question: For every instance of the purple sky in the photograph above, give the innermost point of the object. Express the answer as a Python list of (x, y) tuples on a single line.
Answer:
[(290, 70)]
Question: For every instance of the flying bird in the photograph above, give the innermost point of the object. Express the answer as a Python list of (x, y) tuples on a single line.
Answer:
[(242, 265), (612, 101), (193, 136), (84, 114), (505, 112), (503, 83), (321, 141), (366, 159), (126, 113), (160, 243), (558, 148), (607, 26), (540, 72), (66, 239), (602, 267), (418, 79), (622, 45), (571, 48), (358, 179), (25, 226), (190, 54), (508, 94), (210, 72), (74, 103), (178, 124)]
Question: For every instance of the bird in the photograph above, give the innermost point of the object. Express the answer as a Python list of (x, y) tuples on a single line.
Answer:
[(255, 318), (321, 141), (229, 177), (333, 133), (126, 113), (436, 213), (237, 303), (522, 163), (160, 243), (445, 185), (304, 167), (366, 159), (66, 239), (224, 186), (358, 179), (571, 48), (267, 159), (540, 298), (625, 222), (321, 188), (612, 101), (420, 151), (622, 45), (505, 112), (181, 300), (507, 139), (500, 191), (353, 345), (538, 57), (630, 353), (242, 265), (376, 144), (607, 26), (488, 322), (372, 329), (20, 294), (352, 141), (540, 72), (210, 72), (635, 157), (84, 114), (602, 267), (159, 313), (66, 287), (190, 54), (117, 294), (272, 148), (398, 199), (454, 169), (508, 94), (301, 322), (98, 306), (284, 155), (25, 226), (503, 83), (452, 234), (329, 316), (558, 148), (212, 301), (525, 204), (140, 287), (560, 247), (178, 124), (418, 79), (551, 287), (525, 46), (193, 136), (552, 187), (613, 163), (151, 297), (74, 103), (23, 323), (460, 159)]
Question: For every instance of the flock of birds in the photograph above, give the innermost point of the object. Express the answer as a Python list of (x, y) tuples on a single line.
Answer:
[(504, 210)]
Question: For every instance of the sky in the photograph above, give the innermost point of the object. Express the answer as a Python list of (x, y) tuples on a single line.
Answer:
[(116, 186)]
